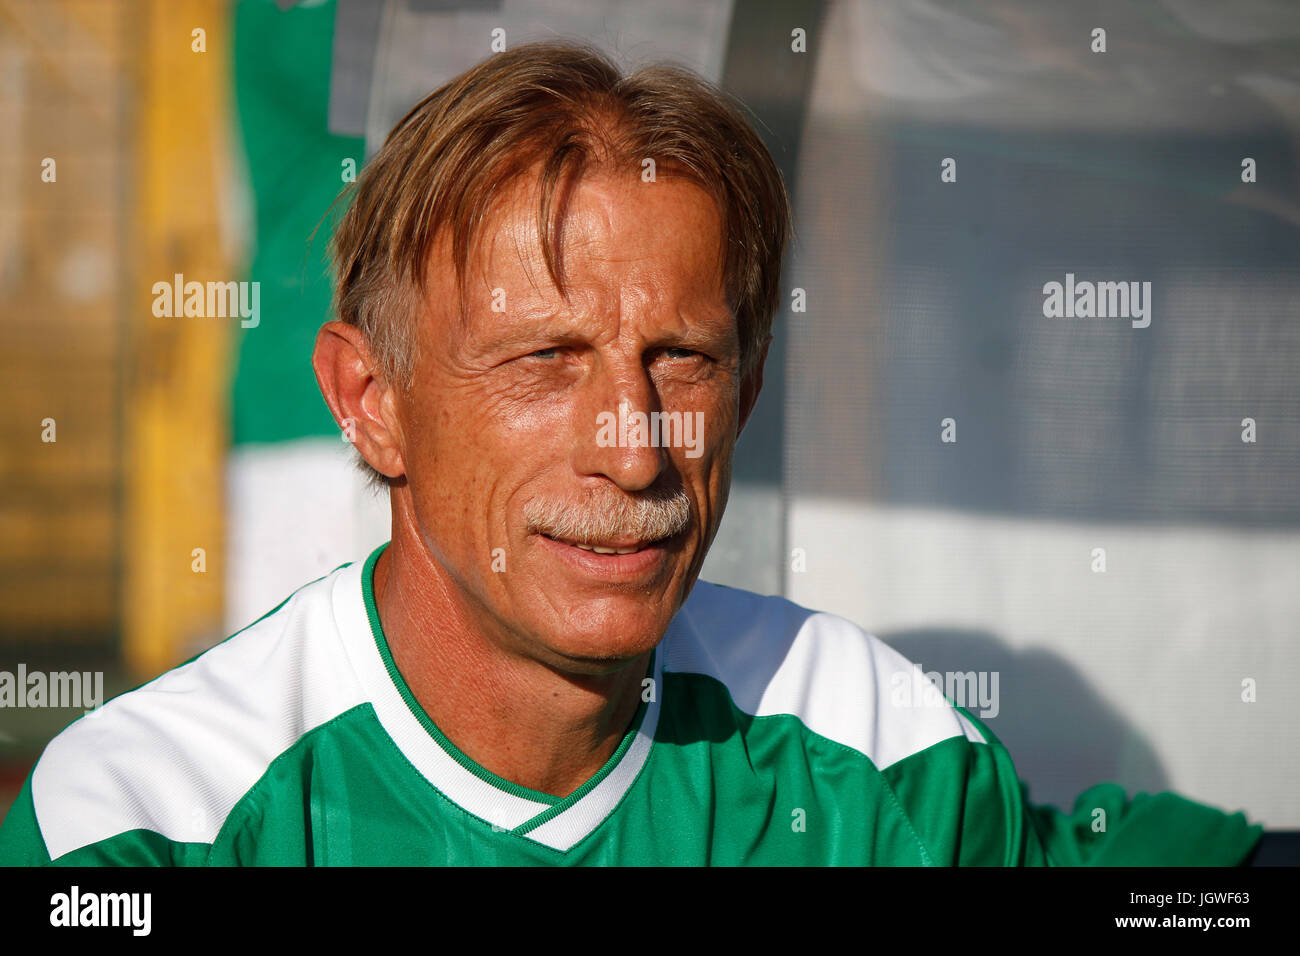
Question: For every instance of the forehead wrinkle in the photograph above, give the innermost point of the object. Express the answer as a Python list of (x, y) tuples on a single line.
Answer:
[(528, 253), (519, 230), (600, 290)]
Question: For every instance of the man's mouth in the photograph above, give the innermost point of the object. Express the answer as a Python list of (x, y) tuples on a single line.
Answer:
[(606, 547), (614, 560)]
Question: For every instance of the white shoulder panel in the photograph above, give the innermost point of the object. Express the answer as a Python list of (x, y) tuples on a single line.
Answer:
[(177, 754), (841, 682)]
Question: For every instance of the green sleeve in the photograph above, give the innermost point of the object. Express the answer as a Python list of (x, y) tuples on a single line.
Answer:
[(967, 807), (22, 844), (1160, 829), (1106, 828), (137, 848), (962, 801)]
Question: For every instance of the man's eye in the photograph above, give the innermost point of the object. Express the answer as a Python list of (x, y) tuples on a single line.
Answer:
[(544, 353), (679, 353)]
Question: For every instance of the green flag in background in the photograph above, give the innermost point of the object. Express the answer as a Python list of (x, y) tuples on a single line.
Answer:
[(295, 166), (296, 507)]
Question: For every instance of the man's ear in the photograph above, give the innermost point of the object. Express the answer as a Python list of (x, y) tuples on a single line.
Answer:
[(363, 404), (751, 385)]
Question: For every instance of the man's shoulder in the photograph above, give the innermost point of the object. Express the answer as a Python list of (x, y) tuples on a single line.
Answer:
[(775, 657), (175, 755)]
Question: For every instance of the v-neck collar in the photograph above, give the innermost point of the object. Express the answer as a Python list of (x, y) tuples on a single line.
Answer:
[(553, 821)]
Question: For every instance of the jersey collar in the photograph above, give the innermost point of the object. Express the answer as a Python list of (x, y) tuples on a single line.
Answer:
[(559, 823)]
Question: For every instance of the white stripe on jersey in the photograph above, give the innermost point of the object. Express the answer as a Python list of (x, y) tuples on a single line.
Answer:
[(841, 682), (177, 754)]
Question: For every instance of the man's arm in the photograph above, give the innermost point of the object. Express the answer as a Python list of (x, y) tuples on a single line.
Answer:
[(1160, 829), (969, 808), (22, 843)]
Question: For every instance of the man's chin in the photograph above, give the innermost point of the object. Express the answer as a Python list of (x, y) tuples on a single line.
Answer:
[(603, 645), (597, 625)]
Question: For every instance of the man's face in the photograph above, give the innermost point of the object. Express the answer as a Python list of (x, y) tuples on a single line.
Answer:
[(521, 437)]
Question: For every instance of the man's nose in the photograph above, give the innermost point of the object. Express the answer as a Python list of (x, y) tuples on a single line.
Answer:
[(617, 434)]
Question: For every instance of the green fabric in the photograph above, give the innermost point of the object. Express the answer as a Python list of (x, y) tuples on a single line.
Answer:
[(1161, 829), (138, 848), (282, 78), (21, 843), (999, 826)]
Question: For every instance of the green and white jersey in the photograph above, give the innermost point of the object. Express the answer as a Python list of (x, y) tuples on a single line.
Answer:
[(774, 736)]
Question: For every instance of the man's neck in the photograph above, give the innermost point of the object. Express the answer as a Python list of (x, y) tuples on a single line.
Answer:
[(515, 716)]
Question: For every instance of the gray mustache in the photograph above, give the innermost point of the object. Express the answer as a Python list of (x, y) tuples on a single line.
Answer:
[(648, 516)]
